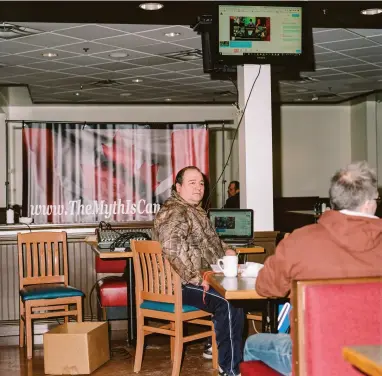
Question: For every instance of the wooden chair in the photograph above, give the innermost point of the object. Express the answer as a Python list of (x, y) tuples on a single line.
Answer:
[(159, 296), (43, 275)]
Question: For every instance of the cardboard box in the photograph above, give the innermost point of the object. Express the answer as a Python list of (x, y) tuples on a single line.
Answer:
[(76, 348)]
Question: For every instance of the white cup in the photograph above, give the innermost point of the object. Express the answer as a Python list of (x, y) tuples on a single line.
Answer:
[(228, 265)]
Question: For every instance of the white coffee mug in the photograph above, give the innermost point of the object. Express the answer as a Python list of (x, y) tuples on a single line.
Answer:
[(228, 265)]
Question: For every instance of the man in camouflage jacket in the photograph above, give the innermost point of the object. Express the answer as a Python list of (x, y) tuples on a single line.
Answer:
[(191, 244)]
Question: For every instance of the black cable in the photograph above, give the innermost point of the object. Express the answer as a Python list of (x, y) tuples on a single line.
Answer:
[(234, 138)]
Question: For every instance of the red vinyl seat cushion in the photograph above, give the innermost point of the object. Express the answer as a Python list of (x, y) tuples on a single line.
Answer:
[(112, 292), (256, 368), (339, 315), (109, 266)]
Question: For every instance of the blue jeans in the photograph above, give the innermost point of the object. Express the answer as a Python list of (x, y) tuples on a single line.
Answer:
[(275, 350)]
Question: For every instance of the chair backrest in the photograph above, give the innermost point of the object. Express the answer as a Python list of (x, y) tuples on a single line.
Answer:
[(154, 277), (43, 258), (332, 314)]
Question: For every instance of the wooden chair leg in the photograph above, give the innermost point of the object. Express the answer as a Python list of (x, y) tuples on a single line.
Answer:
[(29, 335), (140, 342), (79, 309), (215, 364), (66, 318), (22, 325), (172, 341), (178, 351), (21, 333)]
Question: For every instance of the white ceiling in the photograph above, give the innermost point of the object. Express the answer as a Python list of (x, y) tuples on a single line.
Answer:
[(348, 64)]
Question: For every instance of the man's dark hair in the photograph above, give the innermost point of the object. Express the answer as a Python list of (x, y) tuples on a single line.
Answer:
[(237, 184), (180, 175)]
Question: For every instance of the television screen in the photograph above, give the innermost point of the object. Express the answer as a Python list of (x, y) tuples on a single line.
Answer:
[(261, 34)]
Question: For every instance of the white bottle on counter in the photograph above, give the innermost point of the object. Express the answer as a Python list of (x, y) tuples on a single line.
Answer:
[(10, 216)]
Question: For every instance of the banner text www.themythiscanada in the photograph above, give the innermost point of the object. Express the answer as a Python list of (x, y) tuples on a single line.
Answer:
[(75, 207)]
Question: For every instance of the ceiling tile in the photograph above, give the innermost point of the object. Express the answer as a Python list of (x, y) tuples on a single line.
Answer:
[(332, 35), (131, 54), (339, 63), (11, 47), (334, 77), (162, 48), (169, 76), (370, 73), (328, 57), (42, 77), (50, 65), (160, 34), (83, 71), (87, 48), (38, 54), (17, 60), (367, 51), (134, 28), (191, 43), (348, 44), (47, 40), (367, 32), (90, 32), (152, 60), (128, 41), (114, 66), (357, 68), (47, 26), (16, 71), (177, 66), (83, 60), (141, 71)]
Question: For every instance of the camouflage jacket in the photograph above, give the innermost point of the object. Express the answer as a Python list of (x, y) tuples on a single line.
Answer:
[(187, 237)]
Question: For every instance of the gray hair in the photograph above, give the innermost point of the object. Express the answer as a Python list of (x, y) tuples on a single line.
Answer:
[(352, 186)]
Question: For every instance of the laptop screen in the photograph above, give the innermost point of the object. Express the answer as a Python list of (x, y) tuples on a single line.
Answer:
[(232, 223)]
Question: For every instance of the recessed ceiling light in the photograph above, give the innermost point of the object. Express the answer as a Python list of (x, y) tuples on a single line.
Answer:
[(168, 100), (77, 94), (118, 54), (49, 54), (172, 34), (151, 6), (125, 94), (371, 11), (314, 98), (136, 80)]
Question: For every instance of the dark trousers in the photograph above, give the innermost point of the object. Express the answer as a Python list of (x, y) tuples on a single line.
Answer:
[(228, 322)]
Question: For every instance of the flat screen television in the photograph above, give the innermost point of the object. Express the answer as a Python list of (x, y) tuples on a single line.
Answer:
[(274, 33)]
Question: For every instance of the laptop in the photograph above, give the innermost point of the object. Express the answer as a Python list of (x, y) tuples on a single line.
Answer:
[(234, 226)]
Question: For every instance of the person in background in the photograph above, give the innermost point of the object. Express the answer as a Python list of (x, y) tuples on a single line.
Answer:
[(346, 242), (233, 200), (191, 244)]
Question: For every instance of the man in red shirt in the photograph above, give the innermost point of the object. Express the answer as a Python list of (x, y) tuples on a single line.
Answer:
[(346, 242)]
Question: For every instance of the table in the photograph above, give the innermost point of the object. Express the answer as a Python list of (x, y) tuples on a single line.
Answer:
[(131, 314), (367, 359), (243, 288)]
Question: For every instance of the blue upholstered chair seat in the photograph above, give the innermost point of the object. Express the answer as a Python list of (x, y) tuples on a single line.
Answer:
[(166, 307), (53, 291)]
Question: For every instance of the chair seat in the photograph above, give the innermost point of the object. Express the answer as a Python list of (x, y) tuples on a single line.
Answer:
[(53, 291), (254, 368), (166, 307), (112, 292)]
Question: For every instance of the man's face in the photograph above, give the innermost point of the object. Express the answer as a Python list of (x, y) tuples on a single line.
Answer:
[(192, 188), (231, 190)]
